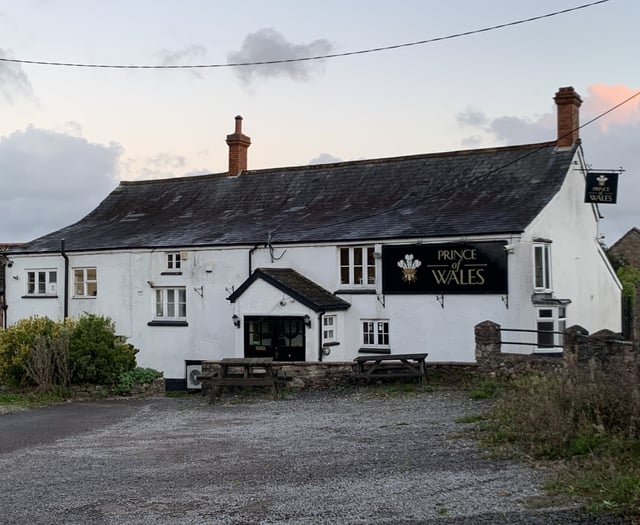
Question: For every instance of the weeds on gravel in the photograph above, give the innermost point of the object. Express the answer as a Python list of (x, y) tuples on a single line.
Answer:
[(396, 389), (33, 399), (587, 422)]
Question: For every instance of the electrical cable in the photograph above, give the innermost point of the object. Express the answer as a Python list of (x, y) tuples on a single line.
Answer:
[(304, 59), (543, 145)]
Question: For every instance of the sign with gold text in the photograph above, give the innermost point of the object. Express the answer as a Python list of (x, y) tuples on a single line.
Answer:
[(601, 188), (462, 268)]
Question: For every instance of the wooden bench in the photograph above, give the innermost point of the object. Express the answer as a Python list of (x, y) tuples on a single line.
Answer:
[(391, 366), (243, 372)]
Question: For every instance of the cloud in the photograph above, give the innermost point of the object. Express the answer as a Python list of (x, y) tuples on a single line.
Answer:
[(268, 44), (324, 158), (14, 82), (160, 166), (472, 117), (51, 180), (185, 55), (609, 143)]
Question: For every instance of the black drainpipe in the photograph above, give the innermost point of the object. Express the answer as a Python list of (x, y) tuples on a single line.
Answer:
[(320, 336), (65, 292), (250, 254)]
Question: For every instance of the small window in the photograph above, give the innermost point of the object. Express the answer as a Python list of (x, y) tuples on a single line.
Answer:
[(357, 266), (42, 282), (171, 303), (550, 324), (375, 333), (329, 332), (542, 267), (85, 282), (173, 261)]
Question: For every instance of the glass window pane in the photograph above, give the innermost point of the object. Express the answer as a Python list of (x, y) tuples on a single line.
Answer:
[(159, 305), (92, 289), (545, 313), (344, 256), (545, 340), (357, 275), (53, 277), (539, 282), (91, 274)]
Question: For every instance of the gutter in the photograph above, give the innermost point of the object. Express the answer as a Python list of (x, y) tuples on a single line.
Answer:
[(65, 292)]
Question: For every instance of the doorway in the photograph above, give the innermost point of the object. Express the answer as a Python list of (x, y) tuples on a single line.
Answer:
[(281, 338)]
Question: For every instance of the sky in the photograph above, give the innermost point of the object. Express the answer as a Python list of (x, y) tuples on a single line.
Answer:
[(68, 135)]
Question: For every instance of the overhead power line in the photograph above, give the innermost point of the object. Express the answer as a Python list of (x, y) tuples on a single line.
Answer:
[(305, 59), (476, 178)]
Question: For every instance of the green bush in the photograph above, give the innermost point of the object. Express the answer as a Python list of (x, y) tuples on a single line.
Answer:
[(96, 353), (17, 343), (45, 353), (133, 378)]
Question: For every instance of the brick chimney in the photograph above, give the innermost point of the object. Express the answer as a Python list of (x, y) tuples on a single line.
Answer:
[(238, 145), (568, 103)]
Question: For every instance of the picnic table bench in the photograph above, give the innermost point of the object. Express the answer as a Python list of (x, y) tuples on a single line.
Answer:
[(243, 372), (390, 366)]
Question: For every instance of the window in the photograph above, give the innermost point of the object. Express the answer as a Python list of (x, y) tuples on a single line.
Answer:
[(173, 261), (85, 282), (550, 323), (357, 266), (542, 266), (171, 303), (42, 282), (375, 333), (329, 329)]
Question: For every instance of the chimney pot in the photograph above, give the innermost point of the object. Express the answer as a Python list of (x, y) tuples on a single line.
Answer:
[(568, 104), (238, 144)]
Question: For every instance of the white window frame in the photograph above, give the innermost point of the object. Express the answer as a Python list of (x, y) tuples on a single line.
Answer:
[(174, 261), (375, 333), (542, 271), (85, 282), (42, 282), (170, 303), (329, 328), (556, 316), (349, 270)]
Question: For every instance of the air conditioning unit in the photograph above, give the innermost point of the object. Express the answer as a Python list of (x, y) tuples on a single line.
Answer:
[(193, 377)]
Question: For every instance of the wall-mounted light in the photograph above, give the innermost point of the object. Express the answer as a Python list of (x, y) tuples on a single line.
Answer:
[(150, 283), (15, 277), (236, 320), (307, 321)]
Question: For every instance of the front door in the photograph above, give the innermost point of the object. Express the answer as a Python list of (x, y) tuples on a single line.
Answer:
[(281, 338)]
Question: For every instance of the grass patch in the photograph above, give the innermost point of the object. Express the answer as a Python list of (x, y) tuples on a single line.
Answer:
[(486, 389), (584, 425), (33, 399)]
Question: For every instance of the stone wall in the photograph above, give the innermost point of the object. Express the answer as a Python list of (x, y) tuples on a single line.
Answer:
[(580, 350)]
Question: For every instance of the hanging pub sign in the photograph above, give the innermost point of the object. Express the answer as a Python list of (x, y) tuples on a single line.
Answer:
[(463, 268), (601, 188)]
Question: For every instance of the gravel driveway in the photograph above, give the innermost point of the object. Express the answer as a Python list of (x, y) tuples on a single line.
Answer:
[(315, 458)]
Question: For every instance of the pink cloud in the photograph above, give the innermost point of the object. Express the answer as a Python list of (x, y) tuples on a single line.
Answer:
[(602, 97)]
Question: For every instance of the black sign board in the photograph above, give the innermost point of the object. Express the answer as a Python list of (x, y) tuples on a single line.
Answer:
[(601, 188), (462, 268)]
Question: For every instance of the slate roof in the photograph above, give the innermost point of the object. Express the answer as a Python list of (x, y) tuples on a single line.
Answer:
[(485, 191), (297, 286)]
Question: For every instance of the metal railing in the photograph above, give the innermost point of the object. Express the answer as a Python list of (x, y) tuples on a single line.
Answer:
[(537, 343)]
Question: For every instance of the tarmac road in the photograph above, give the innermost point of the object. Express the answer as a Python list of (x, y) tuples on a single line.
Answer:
[(29, 428), (312, 459)]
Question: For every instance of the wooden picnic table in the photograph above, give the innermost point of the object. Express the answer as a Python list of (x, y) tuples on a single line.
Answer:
[(391, 366), (243, 372)]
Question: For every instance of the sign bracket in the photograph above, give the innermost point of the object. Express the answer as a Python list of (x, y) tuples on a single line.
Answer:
[(440, 299)]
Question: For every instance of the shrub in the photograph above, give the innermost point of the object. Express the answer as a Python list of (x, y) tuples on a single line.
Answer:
[(17, 343), (133, 378), (97, 355)]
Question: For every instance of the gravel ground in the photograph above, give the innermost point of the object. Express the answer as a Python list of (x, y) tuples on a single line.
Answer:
[(312, 459)]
